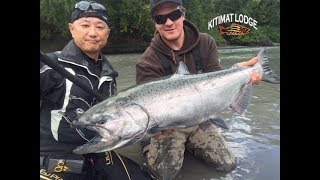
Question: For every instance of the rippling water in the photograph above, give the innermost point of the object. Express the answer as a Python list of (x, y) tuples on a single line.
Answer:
[(254, 139)]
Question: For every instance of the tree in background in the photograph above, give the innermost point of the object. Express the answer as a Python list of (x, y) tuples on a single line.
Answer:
[(54, 18), (132, 28), (130, 22), (266, 12), (200, 12)]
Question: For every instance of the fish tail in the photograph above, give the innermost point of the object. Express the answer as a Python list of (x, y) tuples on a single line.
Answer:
[(268, 74), (241, 104)]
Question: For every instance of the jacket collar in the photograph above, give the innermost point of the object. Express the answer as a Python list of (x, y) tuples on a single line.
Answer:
[(72, 54)]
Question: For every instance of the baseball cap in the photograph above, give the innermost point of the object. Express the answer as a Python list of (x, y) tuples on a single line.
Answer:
[(89, 9), (155, 3)]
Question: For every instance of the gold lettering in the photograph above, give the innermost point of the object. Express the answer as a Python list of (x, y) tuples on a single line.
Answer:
[(48, 176), (44, 172), (55, 176), (44, 177)]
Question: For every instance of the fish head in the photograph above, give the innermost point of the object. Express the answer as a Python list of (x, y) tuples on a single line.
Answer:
[(115, 127)]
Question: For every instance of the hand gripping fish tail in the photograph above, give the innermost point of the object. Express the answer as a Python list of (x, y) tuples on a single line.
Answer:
[(268, 74), (242, 102), (178, 101)]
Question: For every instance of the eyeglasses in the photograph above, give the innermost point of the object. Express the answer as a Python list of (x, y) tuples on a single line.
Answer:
[(85, 5), (173, 16)]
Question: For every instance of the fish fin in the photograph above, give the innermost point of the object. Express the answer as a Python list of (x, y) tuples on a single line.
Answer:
[(182, 68), (218, 121), (242, 102), (268, 74)]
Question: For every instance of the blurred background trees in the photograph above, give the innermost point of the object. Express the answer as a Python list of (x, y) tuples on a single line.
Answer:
[(132, 27)]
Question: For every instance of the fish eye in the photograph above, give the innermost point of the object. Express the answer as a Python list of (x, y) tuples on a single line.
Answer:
[(103, 118), (101, 122)]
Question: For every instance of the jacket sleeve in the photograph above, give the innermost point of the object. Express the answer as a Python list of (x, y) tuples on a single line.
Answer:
[(49, 80), (211, 56)]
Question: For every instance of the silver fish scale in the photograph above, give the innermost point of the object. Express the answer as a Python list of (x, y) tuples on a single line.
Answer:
[(173, 96)]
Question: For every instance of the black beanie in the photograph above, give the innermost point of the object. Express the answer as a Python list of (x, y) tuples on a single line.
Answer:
[(90, 12)]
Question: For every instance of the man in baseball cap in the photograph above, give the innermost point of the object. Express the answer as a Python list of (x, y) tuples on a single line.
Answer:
[(177, 39)]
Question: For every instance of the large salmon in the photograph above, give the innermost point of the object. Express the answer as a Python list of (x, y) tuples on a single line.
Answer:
[(178, 101)]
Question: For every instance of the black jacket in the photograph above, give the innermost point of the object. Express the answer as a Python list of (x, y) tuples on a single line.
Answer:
[(62, 101)]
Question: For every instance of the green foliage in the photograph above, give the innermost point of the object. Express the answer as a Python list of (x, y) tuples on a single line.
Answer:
[(135, 18), (130, 19), (196, 14), (54, 17), (269, 12)]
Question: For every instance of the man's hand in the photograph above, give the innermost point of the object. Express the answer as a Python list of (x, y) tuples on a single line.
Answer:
[(255, 76), (250, 62)]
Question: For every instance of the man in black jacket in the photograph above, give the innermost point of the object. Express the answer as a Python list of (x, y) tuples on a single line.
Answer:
[(62, 102)]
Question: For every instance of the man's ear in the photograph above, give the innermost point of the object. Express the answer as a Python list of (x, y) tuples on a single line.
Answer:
[(70, 27), (183, 15), (184, 12)]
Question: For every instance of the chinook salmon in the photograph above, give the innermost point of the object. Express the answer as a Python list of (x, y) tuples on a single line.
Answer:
[(177, 101)]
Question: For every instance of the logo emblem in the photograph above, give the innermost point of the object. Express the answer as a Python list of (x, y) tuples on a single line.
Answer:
[(61, 167), (234, 30)]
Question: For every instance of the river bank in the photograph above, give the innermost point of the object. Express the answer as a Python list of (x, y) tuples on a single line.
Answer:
[(113, 47), (126, 46)]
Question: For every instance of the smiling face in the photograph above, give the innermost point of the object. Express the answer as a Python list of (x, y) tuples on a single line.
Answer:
[(90, 34), (172, 30)]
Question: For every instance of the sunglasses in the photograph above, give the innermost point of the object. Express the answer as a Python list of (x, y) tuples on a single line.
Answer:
[(173, 16), (85, 5)]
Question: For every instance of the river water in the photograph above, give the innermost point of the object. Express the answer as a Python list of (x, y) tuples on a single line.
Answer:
[(254, 139)]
